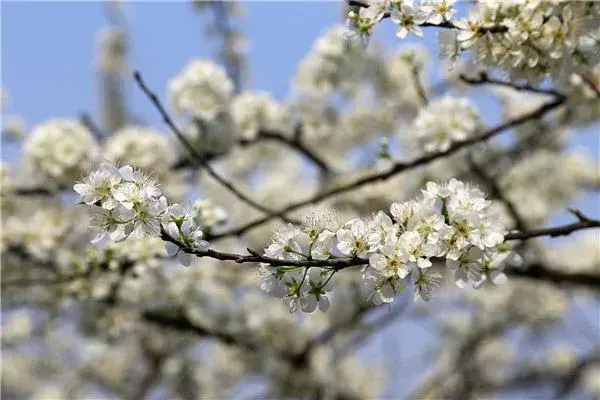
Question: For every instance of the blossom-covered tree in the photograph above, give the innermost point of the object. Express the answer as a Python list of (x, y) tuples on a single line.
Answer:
[(253, 236)]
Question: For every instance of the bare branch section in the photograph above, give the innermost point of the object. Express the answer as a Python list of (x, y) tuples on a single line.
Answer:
[(583, 223), (419, 85), (195, 155), (294, 143), (484, 79), (541, 272), (399, 167), (497, 193)]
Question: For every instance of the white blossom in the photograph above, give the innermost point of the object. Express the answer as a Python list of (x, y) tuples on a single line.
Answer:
[(202, 90), (253, 112), (352, 239), (141, 147), (408, 17), (442, 123), (61, 150), (439, 11)]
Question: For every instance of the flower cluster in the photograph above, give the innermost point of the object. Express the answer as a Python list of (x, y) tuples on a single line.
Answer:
[(208, 215), (252, 112), (405, 13), (141, 147), (129, 203), (532, 39), (61, 149), (202, 90), (39, 234), (443, 122), (529, 40), (452, 221), (334, 63)]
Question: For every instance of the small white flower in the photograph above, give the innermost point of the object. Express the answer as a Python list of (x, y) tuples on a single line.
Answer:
[(289, 243), (467, 269), (408, 17), (424, 282), (439, 11), (270, 281), (415, 250), (98, 186), (379, 288), (189, 235), (352, 239), (381, 229)]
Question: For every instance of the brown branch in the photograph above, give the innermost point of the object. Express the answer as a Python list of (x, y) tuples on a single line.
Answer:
[(195, 155), (254, 257), (294, 143), (583, 223), (419, 85), (398, 167), (497, 193), (484, 79), (535, 376), (556, 276)]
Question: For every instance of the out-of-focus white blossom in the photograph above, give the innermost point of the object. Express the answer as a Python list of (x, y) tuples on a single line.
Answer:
[(214, 136), (591, 380), (561, 358), (141, 147), (202, 90), (253, 112), (40, 234), (208, 215), (537, 185), (442, 123), (61, 150), (334, 64)]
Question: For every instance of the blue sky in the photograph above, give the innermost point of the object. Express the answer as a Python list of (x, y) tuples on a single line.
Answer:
[(48, 52)]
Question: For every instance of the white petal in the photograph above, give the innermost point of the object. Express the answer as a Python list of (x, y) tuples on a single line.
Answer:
[(324, 304), (184, 258), (172, 249)]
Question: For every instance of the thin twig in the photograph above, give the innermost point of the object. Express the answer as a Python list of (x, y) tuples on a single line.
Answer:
[(419, 85), (497, 193), (195, 155), (294, 143), (583, 223), (484, 79)]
